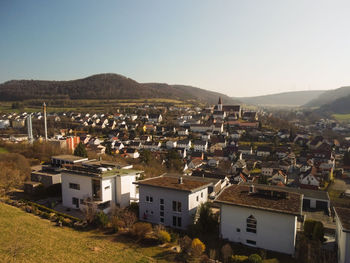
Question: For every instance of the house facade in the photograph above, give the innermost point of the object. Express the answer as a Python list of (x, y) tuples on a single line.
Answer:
[(171, 200), (100, 186), (343, 234), (260, 217)]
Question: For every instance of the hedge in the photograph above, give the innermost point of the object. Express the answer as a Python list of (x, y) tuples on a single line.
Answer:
[(49, 210)]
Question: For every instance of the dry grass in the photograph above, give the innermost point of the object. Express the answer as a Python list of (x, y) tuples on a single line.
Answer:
[(27, 238)]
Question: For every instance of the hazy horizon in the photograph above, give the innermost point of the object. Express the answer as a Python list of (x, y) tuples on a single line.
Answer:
[(239, 48)]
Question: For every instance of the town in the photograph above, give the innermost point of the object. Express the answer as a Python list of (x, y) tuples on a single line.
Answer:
[(209, 180)]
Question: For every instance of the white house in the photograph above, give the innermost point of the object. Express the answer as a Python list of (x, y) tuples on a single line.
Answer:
[(155, 118), (182, 132), (260, 216), (309, 179), (200, 146), (184, 144), (263, 151), (171, 200), (4, 124), (99, 184), (343, 234), (171, 144)]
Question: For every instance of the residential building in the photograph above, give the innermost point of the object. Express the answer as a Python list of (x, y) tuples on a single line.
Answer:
[(260, 216), (98, 183), (343, 234), (171, 200)]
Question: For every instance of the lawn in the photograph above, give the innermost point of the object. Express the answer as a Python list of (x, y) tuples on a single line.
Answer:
[(3, 150), (342, 117), (28, 238)]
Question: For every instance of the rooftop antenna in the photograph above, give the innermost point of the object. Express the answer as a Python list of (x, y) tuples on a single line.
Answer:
[(45, 120)]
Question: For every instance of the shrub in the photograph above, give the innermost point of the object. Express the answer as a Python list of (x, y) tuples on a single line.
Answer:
[(116, 223), (254, 258), (67, 222), (141, 229), (174, 236), (101, 219), (318, 231), (309, 228), (238, 259), (197, 247), (226, 252), (185, 244), (45, 215), (163, 236)]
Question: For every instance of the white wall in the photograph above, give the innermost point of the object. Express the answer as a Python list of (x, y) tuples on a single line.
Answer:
[(68, 193), (275, 231), (152, 210), (125, 189), (343, 242)]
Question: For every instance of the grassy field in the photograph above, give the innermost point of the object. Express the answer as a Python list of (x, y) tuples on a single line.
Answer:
[(28, 238), (3, 150), (342, 117)]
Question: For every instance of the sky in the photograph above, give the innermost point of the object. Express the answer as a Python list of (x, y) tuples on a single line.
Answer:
[(239, 48)]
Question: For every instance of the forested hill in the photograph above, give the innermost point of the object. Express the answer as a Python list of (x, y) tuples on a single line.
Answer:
[(103, 86)]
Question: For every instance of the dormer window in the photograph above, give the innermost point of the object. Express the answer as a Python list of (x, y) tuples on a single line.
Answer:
[(251, 224)]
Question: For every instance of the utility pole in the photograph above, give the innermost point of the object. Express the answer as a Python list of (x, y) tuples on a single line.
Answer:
[(45, 121)]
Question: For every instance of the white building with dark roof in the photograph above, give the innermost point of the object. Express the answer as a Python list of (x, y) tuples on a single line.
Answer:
[(343, 234), (260, 216), (171, 200)]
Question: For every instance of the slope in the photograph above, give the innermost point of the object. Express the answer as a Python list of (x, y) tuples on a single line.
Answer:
[(294, 98), (102, 86)]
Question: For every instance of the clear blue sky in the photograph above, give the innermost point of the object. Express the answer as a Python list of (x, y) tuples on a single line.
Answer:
[(240, 48)]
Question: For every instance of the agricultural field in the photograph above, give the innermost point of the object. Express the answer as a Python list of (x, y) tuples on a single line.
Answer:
[(28, 238), (342, 117)]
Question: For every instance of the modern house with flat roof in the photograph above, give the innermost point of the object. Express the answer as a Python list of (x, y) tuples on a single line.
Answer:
[(98, 183), (171, 200), (260, 216)]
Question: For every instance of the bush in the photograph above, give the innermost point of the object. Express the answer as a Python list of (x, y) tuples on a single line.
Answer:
[(101, 219), (141, 229), (238, 259), (174, 236), (197, 247), (318, 232), (185, 244), (309, 228), (314, 230), (254, 258), (163, 236), (226, 252), (117, 224)]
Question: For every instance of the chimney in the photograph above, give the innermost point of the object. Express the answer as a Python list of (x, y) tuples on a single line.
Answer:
[(180, 180), (251, 189)]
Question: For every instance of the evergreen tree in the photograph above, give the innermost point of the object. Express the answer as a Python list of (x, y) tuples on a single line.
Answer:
[(80, 150)]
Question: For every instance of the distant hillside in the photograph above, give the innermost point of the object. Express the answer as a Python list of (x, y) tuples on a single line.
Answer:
[(329, 97), (294, 98), (103, 86), (338, 106)]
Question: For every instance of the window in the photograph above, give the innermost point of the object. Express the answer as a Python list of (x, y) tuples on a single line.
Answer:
[(162, 213), (82, 201), (74, 186), (197, 198), (251, 242), (107, 187), (149, 199), (75, 201), (174, 220), (251, 224), (179, 221), (176, 206), (238, 229), (162, 219), (162, 207), (161, 201), (201, 194)]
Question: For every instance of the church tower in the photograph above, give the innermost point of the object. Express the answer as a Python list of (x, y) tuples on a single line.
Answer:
[(220, 104)]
